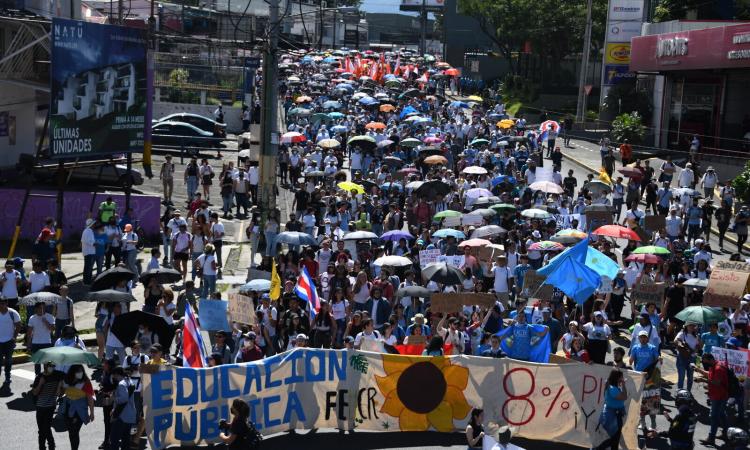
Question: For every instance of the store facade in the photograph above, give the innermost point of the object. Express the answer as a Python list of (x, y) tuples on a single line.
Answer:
[(701, 85)]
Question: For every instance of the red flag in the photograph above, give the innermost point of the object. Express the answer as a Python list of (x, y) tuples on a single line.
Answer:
[(417, 349), (397, 68)]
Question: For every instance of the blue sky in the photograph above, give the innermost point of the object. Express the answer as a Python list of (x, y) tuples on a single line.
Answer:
[(381, 6)]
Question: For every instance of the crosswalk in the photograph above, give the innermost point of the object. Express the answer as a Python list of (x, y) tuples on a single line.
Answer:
[(23, 373)]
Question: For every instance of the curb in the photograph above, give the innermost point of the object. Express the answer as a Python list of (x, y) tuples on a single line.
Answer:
[(89, 340)]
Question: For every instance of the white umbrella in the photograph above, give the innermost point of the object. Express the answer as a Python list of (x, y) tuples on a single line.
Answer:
[(414, 184), (475, 170), (359, 235), (488, 230), (393, 261), (547, 186), (478, 192), (534, 213)]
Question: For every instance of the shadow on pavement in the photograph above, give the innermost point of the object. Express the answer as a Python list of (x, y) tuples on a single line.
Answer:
[(20, 404)]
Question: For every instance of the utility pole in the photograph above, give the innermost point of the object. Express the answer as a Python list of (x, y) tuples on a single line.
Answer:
[(269, 136), (150, 50), (423, 39), (581, 107)]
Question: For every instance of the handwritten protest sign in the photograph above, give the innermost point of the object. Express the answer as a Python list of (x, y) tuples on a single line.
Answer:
[(213, 315), (654, 223), (450, 222), (472, 219), (735, 266), (428, 256), (321, 388), (449, 303), (533, 287), (737, 360), (725, 288), (596, 219), (647, 292), (241, 309), (455, 260)]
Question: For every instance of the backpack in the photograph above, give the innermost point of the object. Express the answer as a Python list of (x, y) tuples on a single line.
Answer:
[(253, 438), (733, 384)]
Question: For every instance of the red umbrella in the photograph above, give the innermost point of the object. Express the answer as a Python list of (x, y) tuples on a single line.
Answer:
[(451, 72), (643, 258), (631, 172), (617, 231)]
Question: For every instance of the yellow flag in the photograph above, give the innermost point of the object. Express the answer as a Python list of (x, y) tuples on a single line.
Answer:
[(275, 292), (604, 177)]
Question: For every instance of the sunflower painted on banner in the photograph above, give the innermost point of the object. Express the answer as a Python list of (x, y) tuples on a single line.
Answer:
[(423, 393)]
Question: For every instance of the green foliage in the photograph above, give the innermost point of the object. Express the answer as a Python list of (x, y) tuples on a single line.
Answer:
[(741, 184), (666, 10), (628, 126), (213, 101), (178, 77), (519, 88), (626, 97)]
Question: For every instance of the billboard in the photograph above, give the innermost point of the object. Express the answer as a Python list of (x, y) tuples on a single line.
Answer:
[(427, 3), (616, 74), (623, 31), (98, 89), (620, 10)]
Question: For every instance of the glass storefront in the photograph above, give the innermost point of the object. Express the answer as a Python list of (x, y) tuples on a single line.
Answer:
[(693, 108)]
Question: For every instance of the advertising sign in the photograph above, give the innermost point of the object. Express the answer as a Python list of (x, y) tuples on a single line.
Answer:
[(98, 89), (623, 31), (616, 74), (310, 388), (419, 3), (621, 10), (617, 53)]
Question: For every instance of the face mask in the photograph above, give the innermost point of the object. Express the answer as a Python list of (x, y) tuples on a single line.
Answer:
[(79, 375), (49, 370), (141, 330)]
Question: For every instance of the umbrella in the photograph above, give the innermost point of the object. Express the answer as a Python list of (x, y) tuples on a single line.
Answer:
[(631, 172), (544, 125), (446, 213), (474, 243), (294, 238), (349, 186), (696, 283), (292, 137), (475, 170), (458, 104), (331, 104), (597, 186), (546, 246), (475, 98), (335, 115), (393, 161), (651, 250), (299, 112), (361, 140), (534, 213), (446, 232), (385, 143), (568, 236), (478, 192), (485, 201), (388, 186), (432, 140), (484, 212), (430, 150), (109, 296), (411, 142), (435, 159), (451, 72), (414, 291), (643, 258), (479, 141), (396, 235), (110, 278), (547, 187), (393, 261), (413, 185), (257, 285), (433, 187), (162, 275), (360, 235), (375, 126), (503, 207), (64, 356), (328, 143), (303, 99), (679, 192), (488, 230), (318, 117), (617, 231), (339, 129), (703, 315), (125, 327), (314, 173), (598, 208), (506, 123), (48, 298), (408, 171), (387, 108), (443, 273)]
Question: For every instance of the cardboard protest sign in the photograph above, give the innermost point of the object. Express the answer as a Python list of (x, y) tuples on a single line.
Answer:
[(321, 388), (735, 266), (725, 288), (596, 219), (213, 315), (647, 292), (533, 286), (241, 309), (454, 302), (417, 339), (654, 223), (450, 222), (428, 256), (472, 219), (455, 260)]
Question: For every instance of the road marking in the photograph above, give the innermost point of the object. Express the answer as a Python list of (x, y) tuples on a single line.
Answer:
[(23, 373)]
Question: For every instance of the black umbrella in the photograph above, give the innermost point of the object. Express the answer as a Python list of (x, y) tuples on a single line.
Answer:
[(368, 185), (443, 273), (414, 291), (428, 151), (125, 327), (162, 275), (110, 278), (433, 187), (108, 296), (393, 161), (48, 298)]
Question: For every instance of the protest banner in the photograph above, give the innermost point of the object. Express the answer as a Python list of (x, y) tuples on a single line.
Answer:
[(725, 288), (737, 360), (454, 302), (455, 260), (562, 221), (596, 219), (450, 222), (428, 256), (533, 286), (605, 286), (213, 315), (472, 219), (646, 292), (323, 388), (654, 223), (242, 309)]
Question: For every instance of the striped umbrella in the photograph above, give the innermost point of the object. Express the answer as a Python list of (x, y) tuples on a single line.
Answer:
[(546, 246)]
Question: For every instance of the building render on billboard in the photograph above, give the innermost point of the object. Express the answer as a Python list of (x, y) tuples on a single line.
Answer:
[(98, 93)]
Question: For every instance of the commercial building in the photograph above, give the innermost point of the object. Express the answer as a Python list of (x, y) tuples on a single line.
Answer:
[(699, 73)]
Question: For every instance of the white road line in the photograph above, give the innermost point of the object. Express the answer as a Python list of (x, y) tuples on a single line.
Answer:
[(23, 373)]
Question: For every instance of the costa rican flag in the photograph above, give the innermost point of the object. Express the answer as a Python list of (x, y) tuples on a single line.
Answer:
[(193, 351), (305, 289)]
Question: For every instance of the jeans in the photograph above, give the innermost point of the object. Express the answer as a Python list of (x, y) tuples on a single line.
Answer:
[(192, 186), (99, 260), (226, 203), (110, 351), (166, 242), (35, 348), (119, 435), (208, 286), (270, 243), (112, 253), (683, 370), (168, 186), (74, 430), (129, 257), (6, 357), (88, 267), (44, 424), (217, 248), (718, 417), (241, 200)]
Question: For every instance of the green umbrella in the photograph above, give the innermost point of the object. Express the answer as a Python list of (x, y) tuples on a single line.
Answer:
[(651, 250), (64, 356), (703, 315), (318, 117), (299, 112), (362, 138), (447, 213), (411, 142), (500, 207)]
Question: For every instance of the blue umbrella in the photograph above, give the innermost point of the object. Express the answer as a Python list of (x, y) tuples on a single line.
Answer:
[(295, 238), (332, 104), (257, 285), (406, 111), (457, 104), (389, 186), (445, 232), (336, 115), (339, 129), (503, 179), (329, 60), (396, 235), (368, 101), (346, 86)]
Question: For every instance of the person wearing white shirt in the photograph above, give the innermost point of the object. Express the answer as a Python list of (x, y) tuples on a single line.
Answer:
[(10, 325), (88, 250), (112, 344), (369, 333), (253, 179), (709, 180), (309, 221), (38, 278), (10, 281), (39, 332), (687, 177)]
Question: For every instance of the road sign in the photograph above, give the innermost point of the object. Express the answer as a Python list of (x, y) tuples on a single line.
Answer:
[(588, 88), (252, 62)]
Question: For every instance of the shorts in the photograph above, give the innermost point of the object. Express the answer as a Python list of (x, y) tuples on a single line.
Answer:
[(181, 256)]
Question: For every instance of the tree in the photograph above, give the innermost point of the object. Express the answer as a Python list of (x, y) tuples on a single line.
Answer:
[(666, 10), (628, 126), (626, 97), (741, 184)]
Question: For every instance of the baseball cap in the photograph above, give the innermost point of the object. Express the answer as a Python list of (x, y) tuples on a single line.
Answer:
[(537, 234), (643, 333), (546, 310), (301, 337), (644, 314)]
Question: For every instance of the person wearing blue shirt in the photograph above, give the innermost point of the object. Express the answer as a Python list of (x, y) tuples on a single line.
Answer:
[(643, 355), (711, 339), (519, 344), (123, 414), (613, 413), (520, 272), (100, 244)]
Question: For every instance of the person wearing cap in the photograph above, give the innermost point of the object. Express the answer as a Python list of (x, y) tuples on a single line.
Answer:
[(166, 175), (598, 334), (301, 341), (708, 182), (39, 331), (686, 179), (645, 357), (88, 249), (535, 256), (645, 324)]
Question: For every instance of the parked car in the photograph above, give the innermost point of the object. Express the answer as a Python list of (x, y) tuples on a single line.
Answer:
[(217, 129), (111, 174), (175, 134)]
